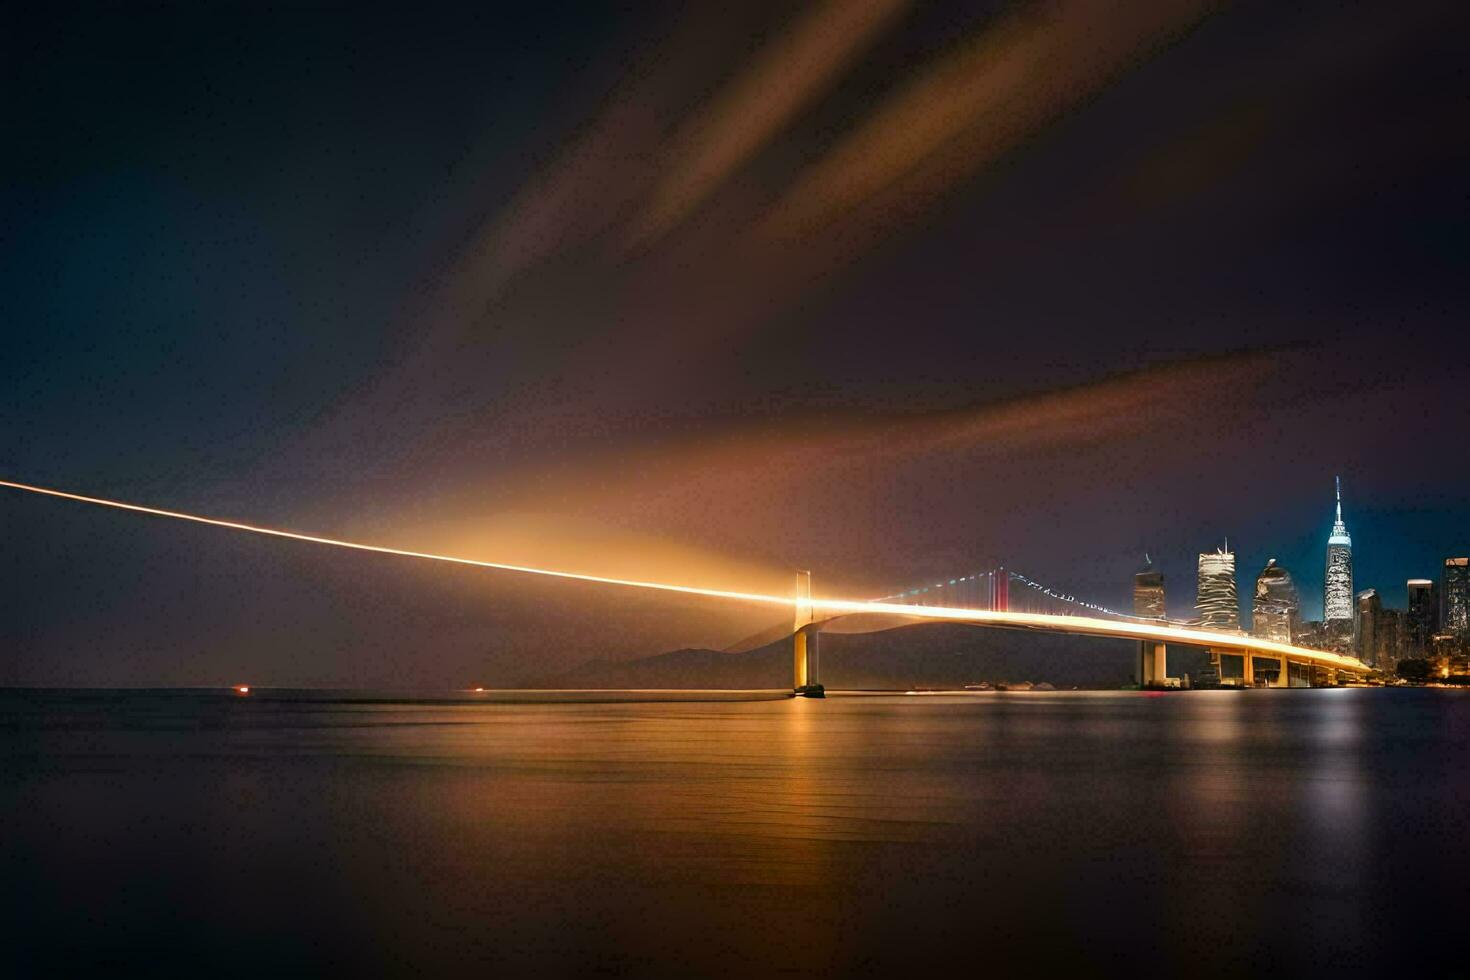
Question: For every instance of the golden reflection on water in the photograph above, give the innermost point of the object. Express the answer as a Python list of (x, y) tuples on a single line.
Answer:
[(750, 838)]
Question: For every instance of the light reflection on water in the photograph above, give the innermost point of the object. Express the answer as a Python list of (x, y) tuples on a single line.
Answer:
[(1190, 833)]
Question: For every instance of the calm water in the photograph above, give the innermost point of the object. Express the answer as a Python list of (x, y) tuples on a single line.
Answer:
[(1211, 832)]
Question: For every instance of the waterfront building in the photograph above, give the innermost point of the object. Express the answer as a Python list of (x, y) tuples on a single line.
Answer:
[(1218, 603), (1148, 591), (1446, 652), (1455, 594), (1390, 639), (1276, 606), (1337, 592), (1422, 621), (1367, 616)]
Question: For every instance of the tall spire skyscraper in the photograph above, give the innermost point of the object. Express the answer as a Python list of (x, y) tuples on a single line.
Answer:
[(1337, 592)]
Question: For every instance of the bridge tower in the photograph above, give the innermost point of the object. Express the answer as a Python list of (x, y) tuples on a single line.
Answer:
[(806, 659)]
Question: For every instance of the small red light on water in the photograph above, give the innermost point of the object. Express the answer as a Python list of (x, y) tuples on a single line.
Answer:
[(479, 690), (1153, 694), (242, 689)]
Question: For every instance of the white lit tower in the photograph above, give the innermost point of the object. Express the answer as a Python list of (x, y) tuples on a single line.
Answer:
[(1218, 604), (1337, 591)]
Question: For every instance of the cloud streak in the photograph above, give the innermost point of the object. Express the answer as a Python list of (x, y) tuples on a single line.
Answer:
[(748, 113), (969, 107)]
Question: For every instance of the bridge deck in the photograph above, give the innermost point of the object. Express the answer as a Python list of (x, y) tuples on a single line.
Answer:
[(1230, 643)]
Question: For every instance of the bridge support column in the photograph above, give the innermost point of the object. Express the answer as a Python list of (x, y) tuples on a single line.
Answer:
[(807, 666), (1283, 679), (1153, 664), (1248, 669), (805, 651)]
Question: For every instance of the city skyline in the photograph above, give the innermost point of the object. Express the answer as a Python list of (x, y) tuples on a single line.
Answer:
[(1393, 586)]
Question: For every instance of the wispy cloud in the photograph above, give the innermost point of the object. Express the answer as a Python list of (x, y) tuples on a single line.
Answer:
[(746, 114), (967, 108)]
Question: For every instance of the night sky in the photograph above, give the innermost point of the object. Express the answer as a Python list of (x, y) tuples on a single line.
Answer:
[(888, 291)]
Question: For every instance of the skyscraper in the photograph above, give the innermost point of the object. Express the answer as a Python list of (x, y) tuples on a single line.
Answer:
[(1390, 638), (1423, 619), (1337, 593), (1311, 635), (1455, 594), (1148, 591), (1218, 603), (1368, 616), (1276, 607)]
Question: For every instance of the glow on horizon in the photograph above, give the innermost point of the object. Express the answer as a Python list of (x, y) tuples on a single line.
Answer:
[(1066, 624)]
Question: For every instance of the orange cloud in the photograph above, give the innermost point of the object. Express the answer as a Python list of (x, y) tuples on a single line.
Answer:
[(788, 76), (972, 106)]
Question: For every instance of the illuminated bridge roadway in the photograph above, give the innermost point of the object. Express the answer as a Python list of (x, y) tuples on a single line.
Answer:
[(811, 613), (1153, 639)]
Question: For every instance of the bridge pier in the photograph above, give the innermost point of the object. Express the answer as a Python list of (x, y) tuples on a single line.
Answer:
[(807, 666), (805, 649), (1283, 678), (1153, 664)]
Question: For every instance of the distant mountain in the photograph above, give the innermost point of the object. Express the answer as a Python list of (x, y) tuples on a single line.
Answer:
[(927, 655), (771, 634)]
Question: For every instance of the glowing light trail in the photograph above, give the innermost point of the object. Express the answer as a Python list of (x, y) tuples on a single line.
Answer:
[(1040, 621), (385, 550)]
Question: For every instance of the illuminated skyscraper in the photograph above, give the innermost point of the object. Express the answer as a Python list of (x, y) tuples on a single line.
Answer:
[(1455, 593), (1148, 591), (1218, 603), (1311, 635), (1423, 619), (1337, 593), (1276, 607)]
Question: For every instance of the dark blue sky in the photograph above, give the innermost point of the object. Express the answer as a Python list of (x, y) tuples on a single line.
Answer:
[(884, 290)]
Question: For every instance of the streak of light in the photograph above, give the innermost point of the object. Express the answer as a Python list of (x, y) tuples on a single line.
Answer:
[(829, 607), (385, 550)]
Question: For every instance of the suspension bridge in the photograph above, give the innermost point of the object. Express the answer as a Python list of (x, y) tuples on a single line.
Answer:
[(1005, 588), (998, 598), (1005, 598)]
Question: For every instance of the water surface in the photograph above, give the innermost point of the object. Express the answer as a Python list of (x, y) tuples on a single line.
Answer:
[(202, 833)]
